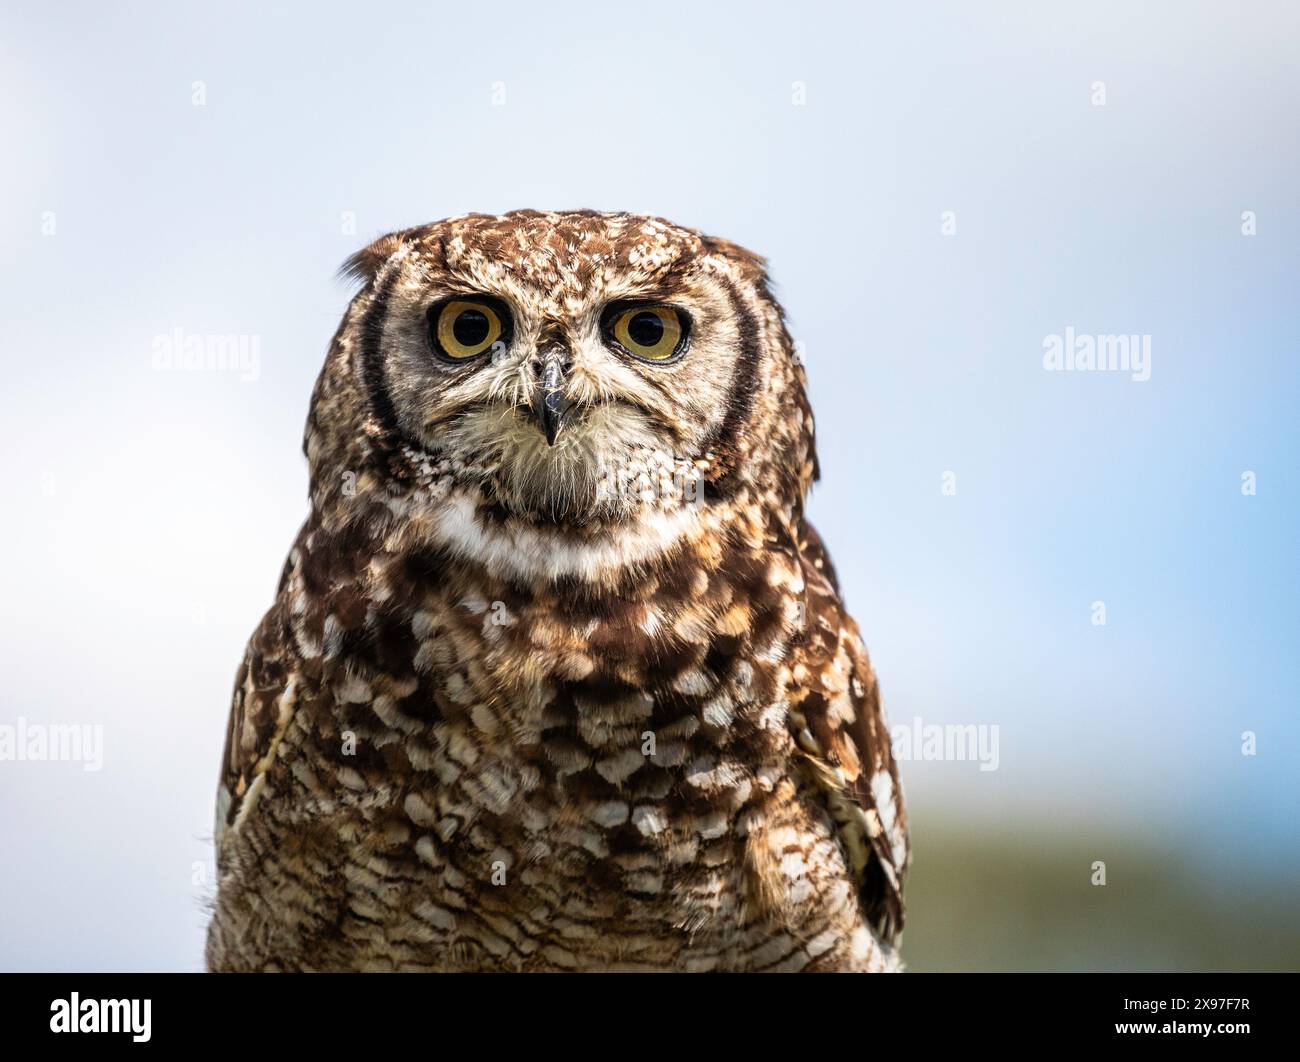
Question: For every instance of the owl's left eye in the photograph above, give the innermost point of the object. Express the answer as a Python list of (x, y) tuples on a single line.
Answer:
[(651, 333), (462, 329)]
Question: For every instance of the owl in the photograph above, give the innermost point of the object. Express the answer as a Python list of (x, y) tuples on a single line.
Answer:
[(557, 676)]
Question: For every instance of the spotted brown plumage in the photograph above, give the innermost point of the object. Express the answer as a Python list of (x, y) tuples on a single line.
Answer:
[(575, 698)]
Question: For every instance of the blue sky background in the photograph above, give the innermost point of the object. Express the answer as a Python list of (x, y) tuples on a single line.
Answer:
[(148, 513)]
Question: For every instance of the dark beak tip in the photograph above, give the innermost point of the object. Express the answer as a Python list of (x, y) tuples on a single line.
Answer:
[(553, 410), (553, 407)]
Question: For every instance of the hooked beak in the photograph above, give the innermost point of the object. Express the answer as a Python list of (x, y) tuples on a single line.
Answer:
[(551, 405)]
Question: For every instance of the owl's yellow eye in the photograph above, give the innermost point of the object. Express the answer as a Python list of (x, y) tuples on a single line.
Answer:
[(654, 333), (465, 328)]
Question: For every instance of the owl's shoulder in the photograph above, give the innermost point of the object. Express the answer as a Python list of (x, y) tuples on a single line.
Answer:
[(272, 683), (844, 741)]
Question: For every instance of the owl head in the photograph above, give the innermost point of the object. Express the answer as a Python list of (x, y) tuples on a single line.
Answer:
[(574, 371)]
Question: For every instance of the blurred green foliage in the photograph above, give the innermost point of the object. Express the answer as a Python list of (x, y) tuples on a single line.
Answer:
[(987, 896)]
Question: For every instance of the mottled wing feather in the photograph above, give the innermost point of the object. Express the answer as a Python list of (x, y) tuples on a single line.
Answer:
[(838, 722), (261, 708)]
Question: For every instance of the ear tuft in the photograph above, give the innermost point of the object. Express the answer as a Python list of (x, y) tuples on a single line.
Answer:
[(752, 266), (363, 266)]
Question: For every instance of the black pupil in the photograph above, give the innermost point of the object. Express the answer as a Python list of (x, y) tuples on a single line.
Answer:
[(470, 327), (645, 329)]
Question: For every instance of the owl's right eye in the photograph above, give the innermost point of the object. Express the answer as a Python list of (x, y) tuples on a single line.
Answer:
[(464, 328)]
